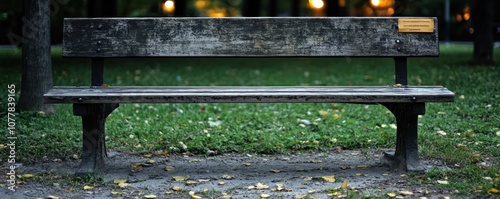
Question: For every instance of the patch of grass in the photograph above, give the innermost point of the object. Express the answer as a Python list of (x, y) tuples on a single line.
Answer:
[(471, 146)]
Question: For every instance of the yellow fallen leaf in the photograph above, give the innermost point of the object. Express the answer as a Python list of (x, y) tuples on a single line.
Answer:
[(227, 177), (169, 168), (359, 174), (86, 187), (261, 186), (247, 164), (52, 197), (494, 190), (362, 166), (397, 85), (498, 133), (114, 193), (300, 196), (179, 178), (119, 180), (190, 182), (123, 185), (275, 171), (28, 175), (148, 155), (443, 182), (344, 184), (151, 161), (264, 195), (312, 191), (391, 195), (328, 178), (221, 183), (203, 180), (151, 196), (334, 194), (308, 178), (177, 188), (226, 197), (251, 187), (195, 197), (406, 193)]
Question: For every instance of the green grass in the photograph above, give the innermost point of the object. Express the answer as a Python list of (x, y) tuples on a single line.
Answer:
[(471, 146)]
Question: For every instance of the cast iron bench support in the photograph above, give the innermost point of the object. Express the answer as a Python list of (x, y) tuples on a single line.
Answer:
[(100, 38)]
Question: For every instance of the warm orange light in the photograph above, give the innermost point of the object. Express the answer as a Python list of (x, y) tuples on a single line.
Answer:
[(201, 4), (316, 3), (375, 2), (466, 16), (459, 17), (217, 13), (382, 3), (341, 3), (390, 11), (168, 6)]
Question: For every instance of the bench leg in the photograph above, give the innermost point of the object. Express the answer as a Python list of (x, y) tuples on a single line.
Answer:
[(94, 146), (405, 157)]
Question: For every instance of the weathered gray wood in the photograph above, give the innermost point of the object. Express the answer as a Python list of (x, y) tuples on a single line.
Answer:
[(261, 37), (248, 94)]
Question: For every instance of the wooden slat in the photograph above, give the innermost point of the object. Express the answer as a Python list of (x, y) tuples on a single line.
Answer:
[(241, 37), (247, 94)]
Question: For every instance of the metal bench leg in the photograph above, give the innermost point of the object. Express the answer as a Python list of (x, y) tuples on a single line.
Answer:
[(94, 146), (405, 157)]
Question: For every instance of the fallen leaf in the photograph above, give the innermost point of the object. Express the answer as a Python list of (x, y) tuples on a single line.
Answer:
[(179, 178), (344, 184), (359, 174), (123, 185), (114, 193), (498, 133), (86, 187), (362, 166), (221, 183), (275, 171), (227, 177), (203, 180), (392, 195), (190, 182), (119, 180), (312, 191), (406, 193), (52, 197), (442, 182), (442, 133), (195, 197), (251, 187), (226, 197), (328, 178), (151, 196), (494, 190), (247, 164), (147, 155), (300, 196), (308, 178), (264, 195), (334, 194), (177, 188), (443, 197), (169, 168), (151, 161), (28, 175), (261, 186)]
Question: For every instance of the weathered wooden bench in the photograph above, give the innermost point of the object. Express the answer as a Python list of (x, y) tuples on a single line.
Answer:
[(397, 38)]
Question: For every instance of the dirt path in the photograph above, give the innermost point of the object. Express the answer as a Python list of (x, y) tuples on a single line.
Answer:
[(280, 176)]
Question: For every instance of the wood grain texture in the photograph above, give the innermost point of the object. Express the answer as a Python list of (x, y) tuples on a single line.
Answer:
[(242, 37), (197, 94)]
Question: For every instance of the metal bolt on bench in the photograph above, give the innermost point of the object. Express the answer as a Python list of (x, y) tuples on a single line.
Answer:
[(399, 38)]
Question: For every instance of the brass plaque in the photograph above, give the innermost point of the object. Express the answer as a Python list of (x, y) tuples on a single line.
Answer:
[(415, 25)]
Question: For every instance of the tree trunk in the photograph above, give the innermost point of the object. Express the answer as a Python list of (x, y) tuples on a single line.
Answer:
[(36, 57), (482, 20), (251, 8)]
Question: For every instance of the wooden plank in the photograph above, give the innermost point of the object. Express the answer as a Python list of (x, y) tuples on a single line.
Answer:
[(201, 94), (242, 37)]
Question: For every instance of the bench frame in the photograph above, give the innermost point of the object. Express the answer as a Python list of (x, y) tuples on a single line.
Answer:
[(96, 104)]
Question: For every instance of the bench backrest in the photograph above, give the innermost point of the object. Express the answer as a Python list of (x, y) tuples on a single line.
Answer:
[(254, 37)]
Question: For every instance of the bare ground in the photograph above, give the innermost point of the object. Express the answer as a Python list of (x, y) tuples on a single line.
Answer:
[(287, 176)]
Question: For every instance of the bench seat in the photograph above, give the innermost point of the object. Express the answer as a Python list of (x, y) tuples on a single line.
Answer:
[(252, 94)]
